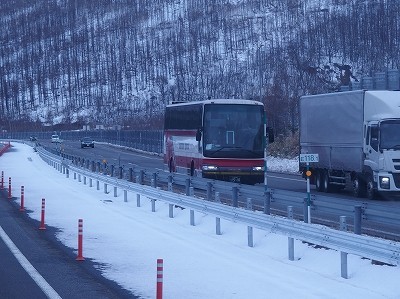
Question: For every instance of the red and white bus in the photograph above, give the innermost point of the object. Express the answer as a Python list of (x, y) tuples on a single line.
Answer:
[(220, 139)]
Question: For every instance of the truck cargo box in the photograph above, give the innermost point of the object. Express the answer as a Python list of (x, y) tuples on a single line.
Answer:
[(331, 125)]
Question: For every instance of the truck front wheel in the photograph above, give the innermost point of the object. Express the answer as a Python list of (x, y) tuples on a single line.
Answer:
[(327, 187), (359, 187), (319, 182), (370, 188)]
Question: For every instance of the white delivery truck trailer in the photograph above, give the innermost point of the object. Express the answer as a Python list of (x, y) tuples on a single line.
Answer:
[(357, 137)]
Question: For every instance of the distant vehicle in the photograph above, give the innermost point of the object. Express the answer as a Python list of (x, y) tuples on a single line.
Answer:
[(87, 142), (217, 139), (55, 139), (32, 138), (356, 135)]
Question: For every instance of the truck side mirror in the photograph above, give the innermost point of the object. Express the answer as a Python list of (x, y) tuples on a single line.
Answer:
[(198, 134)]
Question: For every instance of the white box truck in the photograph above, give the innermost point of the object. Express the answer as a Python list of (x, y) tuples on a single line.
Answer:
[(357, 137)]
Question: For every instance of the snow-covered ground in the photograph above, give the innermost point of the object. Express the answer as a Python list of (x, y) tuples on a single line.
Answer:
[(127, 240)]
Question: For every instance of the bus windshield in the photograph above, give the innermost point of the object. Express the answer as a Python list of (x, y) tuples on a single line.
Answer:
[(233, 131)]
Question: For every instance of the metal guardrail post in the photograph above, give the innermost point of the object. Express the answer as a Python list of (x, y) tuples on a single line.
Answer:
[(249, 204), (112, 170), (305, 210), (290, 240), (154, 180), (217, 197), (138, 200), (235, 196), (209, 191), (141, 177), (153, 205), (187, 186), (192, 217), (343, 255), (115, 191), (121, 172), (218, 226), (250, 236), (171, 210), (125, 196), (267, 202), (170, 180), (357, 220), (191, 191), (130, 174)]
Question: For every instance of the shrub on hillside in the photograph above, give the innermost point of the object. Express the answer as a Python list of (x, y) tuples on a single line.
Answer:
[(285, 146)]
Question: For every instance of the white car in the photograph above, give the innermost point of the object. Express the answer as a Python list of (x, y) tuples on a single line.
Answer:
[(55, 139)]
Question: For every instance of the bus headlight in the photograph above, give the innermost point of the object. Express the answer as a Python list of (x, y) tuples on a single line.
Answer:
[(384, 182), (258, 168), (209, 168)]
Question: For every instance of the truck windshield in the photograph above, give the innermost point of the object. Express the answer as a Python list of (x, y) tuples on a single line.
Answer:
[(390, 137), (233, 131)]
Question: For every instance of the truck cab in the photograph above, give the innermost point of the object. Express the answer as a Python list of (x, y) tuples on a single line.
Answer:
[(382, 155)]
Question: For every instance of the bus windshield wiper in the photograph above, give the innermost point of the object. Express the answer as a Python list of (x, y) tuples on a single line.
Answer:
[(234, 147), (223, 147)]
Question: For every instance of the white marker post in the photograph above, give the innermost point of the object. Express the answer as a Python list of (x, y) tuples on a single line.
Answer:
[(308, 158)]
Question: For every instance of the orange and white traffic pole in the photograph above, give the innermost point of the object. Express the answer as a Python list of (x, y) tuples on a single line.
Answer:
[(42, 225), (80, 241), (9, 188), (22, 208), (160, 270)]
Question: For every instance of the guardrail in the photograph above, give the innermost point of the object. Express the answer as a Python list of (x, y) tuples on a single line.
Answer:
[(367, 217), (344, 241)]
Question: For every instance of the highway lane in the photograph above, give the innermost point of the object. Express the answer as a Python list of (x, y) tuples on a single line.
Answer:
[(120, 156), (54, 262)]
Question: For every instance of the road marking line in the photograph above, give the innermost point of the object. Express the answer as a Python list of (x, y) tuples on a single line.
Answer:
[(40, 281)]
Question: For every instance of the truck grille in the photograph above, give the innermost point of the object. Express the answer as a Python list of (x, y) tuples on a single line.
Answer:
[(396, 178), (396, 164)]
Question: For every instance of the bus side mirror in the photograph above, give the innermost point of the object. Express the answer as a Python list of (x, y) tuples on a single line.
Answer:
[(270, 135), (198, 134)]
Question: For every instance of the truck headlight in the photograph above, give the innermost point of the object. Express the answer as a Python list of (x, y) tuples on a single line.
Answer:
[(209, 168), (384, 182)]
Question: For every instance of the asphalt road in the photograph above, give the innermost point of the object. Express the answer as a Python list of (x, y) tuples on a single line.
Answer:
[(119, 156), (53, 265)]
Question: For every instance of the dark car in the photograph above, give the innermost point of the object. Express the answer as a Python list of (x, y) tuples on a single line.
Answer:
[(87, 142)]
